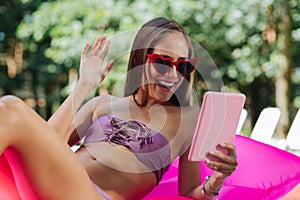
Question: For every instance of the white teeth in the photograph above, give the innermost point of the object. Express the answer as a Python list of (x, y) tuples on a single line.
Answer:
[(166, 84)]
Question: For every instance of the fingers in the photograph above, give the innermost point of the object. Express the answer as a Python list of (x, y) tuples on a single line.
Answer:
[(96, 45), (107, 69), (109, 66), (223, 160), (84, 50), (100, 47), (105, 50), (230, 156), (97, 48), (224, 168), (230, 147)]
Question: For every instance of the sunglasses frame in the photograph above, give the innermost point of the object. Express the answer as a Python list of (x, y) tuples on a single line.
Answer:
[(154, 56)]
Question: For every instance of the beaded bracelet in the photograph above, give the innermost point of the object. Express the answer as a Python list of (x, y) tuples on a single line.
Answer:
[(206, 193)]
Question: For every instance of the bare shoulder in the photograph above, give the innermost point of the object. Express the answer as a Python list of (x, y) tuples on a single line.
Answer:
[(105, 104), (105, 99), (190, 114), (102, 98)]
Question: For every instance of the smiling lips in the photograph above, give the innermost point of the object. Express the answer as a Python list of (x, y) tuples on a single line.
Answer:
[(165, 84)]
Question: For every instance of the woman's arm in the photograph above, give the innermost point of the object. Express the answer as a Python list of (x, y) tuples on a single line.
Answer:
[(90, 76), (189, 173), (81, 122), (85, 116)]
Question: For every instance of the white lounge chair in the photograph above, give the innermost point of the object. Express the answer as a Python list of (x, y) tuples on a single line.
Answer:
[(265, 125), (242, 120), (292, 141), (293, 136)]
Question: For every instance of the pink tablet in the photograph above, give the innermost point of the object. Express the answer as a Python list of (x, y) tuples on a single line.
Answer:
[(217, 123)]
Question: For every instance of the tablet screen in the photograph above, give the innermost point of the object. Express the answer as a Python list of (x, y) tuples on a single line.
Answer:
[(217, 123)]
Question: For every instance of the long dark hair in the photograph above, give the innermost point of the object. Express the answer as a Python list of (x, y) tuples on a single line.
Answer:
[(144, 42)]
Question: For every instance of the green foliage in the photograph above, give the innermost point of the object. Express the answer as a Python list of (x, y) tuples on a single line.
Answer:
[(11, 13), (237, 34)]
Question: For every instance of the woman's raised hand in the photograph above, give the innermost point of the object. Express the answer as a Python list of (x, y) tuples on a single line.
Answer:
[(92, 72)]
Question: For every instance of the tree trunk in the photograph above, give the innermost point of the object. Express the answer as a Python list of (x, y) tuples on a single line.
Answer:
[(282, 80)]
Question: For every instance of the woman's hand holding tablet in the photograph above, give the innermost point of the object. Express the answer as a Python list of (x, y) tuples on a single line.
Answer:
[(217, 123)]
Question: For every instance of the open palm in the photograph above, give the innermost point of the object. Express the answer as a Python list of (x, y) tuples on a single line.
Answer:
[(92, 72)]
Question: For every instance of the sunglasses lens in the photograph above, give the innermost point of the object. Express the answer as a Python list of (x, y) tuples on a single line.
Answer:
[(162, 66), (185, 67)]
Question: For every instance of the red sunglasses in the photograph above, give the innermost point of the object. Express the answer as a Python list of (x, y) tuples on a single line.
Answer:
[(164, 65)]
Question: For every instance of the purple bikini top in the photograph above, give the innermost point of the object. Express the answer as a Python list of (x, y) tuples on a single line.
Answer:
[(149, 146)]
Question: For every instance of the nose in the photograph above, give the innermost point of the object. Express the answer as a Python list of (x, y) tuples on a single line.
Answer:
[(173, 73)]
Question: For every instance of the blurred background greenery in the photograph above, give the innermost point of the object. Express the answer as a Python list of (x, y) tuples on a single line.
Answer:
[(254, 43)]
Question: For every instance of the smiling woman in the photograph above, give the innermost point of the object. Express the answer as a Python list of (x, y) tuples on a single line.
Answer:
[(130, 142)]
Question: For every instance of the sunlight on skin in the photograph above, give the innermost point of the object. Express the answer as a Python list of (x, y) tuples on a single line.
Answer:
[(155, 120), (157, 113)]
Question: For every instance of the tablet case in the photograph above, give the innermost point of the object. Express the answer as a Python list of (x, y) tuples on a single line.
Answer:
[(217, 122)]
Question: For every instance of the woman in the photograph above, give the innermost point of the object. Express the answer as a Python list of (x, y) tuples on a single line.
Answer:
[(130, 141)]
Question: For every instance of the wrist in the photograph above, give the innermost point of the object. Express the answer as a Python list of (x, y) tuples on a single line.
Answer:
[(211, 189), (84, 85), (216, 181)]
